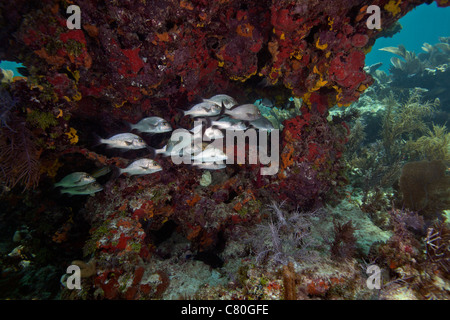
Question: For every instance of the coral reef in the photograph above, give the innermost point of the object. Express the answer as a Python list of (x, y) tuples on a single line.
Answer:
[(310, 169)]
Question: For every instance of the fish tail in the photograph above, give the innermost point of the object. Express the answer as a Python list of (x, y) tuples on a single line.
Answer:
[(152, 152), (223, 110), (130, 126), (208, 122), (210, 101), (97, 140), (162, 150), (63, 191), (183, 112), (116, 172)]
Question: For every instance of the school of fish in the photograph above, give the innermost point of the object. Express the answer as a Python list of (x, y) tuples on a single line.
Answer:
[(219, 113)]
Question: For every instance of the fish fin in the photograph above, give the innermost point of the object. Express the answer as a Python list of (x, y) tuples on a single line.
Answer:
[(152, 152), (116, 172), (130, 126), (97, 140), (183, 112), (222, 110), (160, 151), (128, 143), (63, 191), (208, 122), (210, 101)]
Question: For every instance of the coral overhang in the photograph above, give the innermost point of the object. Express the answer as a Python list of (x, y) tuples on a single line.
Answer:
[(162, 56)]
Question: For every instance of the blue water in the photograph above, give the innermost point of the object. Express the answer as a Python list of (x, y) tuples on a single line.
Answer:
[(425, 23)]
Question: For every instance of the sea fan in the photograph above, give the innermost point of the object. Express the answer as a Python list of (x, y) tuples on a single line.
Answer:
[(19, 158), (7, 103)]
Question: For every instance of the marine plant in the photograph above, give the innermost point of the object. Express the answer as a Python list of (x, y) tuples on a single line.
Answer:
[(434, 145), (285, 237), (7, 103), (403, 121), (412, 64), (19, 157), (344, 242)]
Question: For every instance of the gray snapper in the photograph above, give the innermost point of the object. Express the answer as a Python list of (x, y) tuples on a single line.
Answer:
[(228, 102), (245, 112), (83, 190), (210, 133), (127, 141), (203, 109), (211, 165), (141, 167), (228, 125), (262, 124), (75, 179), (152, 125), (210, 154)]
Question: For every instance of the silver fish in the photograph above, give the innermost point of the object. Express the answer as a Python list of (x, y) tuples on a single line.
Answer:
[(228, 125), (262, 124), (210, 154), (141, 166), (83, 190), (204, 109), (245, 112), (228, 102), (167, 150), (210, 133), (152, 125), (211, 165), (75, 179), (125, 141)]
